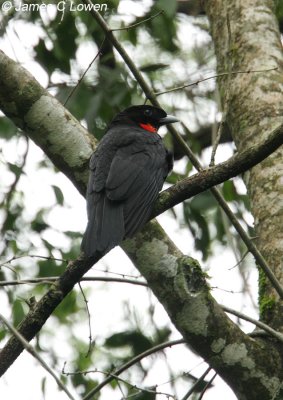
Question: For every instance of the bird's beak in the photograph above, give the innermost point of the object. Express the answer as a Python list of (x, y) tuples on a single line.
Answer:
[(169, 119)]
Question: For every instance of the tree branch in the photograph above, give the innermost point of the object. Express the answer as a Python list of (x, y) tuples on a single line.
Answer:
[(43, 118), (38, 315), (196, 384), (126, 28), (51, 279), (219, 75), (207, 178), (260, 324)]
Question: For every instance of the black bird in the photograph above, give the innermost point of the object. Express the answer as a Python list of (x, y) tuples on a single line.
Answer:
[(127, 171)]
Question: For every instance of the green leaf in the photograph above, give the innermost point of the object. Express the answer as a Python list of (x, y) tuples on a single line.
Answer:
[(229, 191), (162, 335), (169, 7), (203, 202), (220, 230), (45, 57), (143, 395), (2, 334), (15, 169), (43, 386), (58, 194), (135, 339), (153, 67), (279, 14), (80, 100), (73, 234), (67, 307), (62, 51), (50, 268), (198, 226), (174, 177), (7, 128), (38, 224), (18, 312), (10, 221)]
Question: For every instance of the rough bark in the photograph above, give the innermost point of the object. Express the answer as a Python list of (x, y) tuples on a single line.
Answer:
[(179, 284), (32, 109), (246, 37), (253, 368)]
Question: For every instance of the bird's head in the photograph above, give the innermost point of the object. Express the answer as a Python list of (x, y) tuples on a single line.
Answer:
[(147, 117)]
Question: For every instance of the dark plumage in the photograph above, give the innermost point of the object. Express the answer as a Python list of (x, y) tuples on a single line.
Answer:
[(127, 171)]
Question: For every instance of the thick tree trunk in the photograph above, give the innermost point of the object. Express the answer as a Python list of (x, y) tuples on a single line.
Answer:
[(246, 38)]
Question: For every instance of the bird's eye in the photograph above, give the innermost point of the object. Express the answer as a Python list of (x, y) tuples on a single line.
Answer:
[(148, 112)]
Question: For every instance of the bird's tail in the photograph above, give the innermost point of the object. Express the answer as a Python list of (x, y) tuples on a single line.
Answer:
[(88, 243), (105, 228)]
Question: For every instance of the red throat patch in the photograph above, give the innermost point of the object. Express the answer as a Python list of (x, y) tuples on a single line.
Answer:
[(148, 127)]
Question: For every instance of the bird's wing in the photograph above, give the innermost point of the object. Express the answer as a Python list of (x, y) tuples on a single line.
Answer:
[(91, 184), (121, 194), (105, 228), (138, 207), (135, 178), (131, 166)]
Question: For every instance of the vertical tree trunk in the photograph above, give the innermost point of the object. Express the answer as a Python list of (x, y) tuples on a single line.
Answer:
[(246, 38)]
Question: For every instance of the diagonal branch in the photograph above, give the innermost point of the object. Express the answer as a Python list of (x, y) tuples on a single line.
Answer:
[(259, 324), (38, 315), (51, 279), (196, 384), (127, 365), (126, 28), (219, 75), (207, 178)]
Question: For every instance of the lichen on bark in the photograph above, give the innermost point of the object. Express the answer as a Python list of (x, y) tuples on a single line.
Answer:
[(247, 38)]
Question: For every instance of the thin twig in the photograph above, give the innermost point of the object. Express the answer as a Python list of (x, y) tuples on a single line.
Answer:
[(141, 389), (95, 371), (207, 386), (33, 256), (123, 275), (126, 28), (240, 261), (31, 350), (192, 389), (260, 324), (89, 319), (15, 272), (226, 290), (152, 97), (195, 83), (121, 390), (51, 279), (85, 72), (130, 363)]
